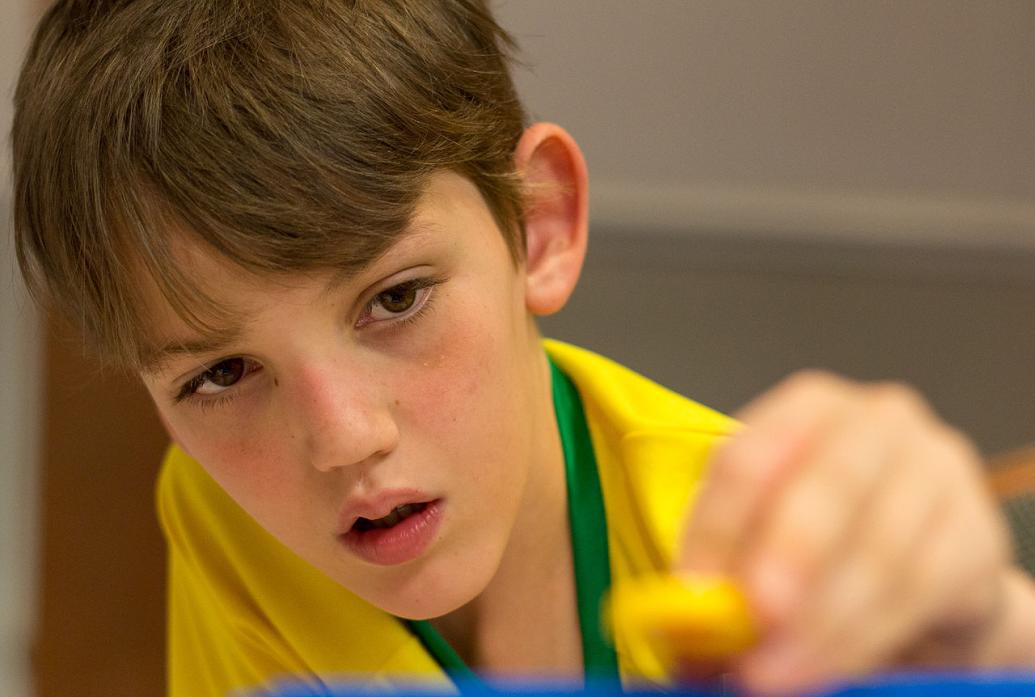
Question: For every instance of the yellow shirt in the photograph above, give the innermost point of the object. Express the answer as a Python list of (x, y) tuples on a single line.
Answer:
[(244, 611)]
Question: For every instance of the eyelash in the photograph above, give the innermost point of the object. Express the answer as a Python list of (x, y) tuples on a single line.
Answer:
[(188, 391), (202, 402)]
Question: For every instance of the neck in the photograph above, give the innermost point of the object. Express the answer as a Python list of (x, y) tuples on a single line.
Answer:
[(525, 622)]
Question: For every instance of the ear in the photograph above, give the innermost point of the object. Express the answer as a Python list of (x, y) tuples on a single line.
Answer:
[(556, 216)]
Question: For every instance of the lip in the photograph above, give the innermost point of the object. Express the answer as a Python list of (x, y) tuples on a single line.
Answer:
[(398, 544)]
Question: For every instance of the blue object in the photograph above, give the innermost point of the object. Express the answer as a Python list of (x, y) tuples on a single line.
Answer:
[(992, 684)]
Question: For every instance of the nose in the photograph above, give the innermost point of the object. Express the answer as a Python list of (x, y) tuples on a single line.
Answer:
[(343, 417)]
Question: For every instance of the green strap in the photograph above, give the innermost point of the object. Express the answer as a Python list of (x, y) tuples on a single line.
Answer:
[(588, 541)]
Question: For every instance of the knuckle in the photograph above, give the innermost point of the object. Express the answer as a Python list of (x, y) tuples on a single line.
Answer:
[(802, 546), (878, 560), (996, 548), (959, 445), (897, 400), (996, 554), (844, 476), (956, 454), (734, 469), (963, 557), (810, 380)]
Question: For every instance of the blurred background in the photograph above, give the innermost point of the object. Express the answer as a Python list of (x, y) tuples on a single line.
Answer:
[(775, 185)]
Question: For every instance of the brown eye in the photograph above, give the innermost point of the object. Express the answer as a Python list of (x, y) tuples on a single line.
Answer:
[(221, 376), (227, 372), (402, 301), (218, 378), (398, 299)]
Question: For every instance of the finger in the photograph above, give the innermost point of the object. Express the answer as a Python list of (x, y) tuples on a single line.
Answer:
[(966, 601), (913, 555), (807, 528), (841, 630), (747, 469), (944, 571)]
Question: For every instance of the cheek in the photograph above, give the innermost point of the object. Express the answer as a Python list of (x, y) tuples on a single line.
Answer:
[(240, 455), (465, 392), (443, 387)]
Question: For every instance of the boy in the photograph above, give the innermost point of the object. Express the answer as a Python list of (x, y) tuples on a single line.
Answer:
[(320, 231)]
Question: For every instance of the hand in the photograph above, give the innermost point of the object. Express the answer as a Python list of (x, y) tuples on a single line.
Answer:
[(862, 531)]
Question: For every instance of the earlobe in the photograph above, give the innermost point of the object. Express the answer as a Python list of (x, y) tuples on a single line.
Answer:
[(556, 215)]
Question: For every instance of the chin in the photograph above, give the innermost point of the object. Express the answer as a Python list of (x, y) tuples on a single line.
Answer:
[(433, 593)]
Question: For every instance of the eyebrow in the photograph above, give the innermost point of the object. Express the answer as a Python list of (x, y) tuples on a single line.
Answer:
[(155, 359)]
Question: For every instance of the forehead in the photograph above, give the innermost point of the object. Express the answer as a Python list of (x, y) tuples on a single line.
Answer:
[(207, 308), (216, 293)]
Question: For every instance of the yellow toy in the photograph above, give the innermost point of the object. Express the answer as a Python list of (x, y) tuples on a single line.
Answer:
[(687, 619)]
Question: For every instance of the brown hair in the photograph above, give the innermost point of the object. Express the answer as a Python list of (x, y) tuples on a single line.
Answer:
[(287, 135)]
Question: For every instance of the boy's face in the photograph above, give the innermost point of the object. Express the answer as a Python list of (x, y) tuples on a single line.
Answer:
[(390, 428)]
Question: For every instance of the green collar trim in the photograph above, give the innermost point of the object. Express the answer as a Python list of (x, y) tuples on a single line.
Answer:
[(441, 651), (588, 527)]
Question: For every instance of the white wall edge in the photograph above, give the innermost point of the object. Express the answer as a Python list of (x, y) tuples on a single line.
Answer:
[(21, 380), (21, 401), (821, 216)]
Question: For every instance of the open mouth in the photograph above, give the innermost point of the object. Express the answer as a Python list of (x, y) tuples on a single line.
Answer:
[(403, 534), (398, 514)]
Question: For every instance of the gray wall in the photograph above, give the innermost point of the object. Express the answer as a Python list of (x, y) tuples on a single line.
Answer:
[(923, 100), (792, 184), (720, 321)]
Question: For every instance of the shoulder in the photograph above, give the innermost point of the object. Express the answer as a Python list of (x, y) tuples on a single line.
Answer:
[(652, 448), (630, 402)]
